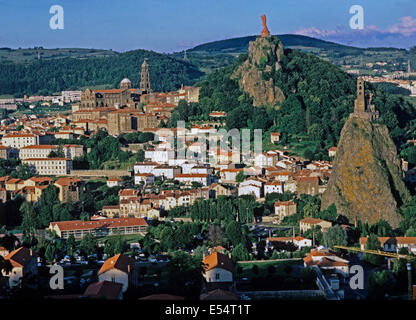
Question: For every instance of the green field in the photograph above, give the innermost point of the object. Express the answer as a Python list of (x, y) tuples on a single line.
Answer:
[(129, 238), (31, 54)]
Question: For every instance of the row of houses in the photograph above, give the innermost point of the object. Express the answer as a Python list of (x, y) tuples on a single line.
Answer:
[(32, 188)]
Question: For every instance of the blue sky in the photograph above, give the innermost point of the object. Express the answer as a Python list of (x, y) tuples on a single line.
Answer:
[(174, 25)]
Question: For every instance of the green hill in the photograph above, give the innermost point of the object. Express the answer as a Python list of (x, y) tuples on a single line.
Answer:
[(54, 75), (237, 45)]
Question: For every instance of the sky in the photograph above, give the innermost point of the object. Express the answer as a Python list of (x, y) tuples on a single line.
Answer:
[(175, 25)]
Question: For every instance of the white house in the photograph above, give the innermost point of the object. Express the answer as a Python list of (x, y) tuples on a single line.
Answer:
[(218, 268), (326, 260), (24, 263), (120, 269), (114, 182), (188, 178), (250, 189), (298, 241), (146, 178), (392, 244), (160, 155), (202, 170), (273, 187), (167, 172), (187, 166), (144, 167)]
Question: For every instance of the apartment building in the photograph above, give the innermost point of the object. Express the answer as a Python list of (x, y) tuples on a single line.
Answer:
[(50, 166), (37, 151), (19, 140)]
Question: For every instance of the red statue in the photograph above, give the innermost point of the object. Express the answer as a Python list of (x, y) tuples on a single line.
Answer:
[(265, 31)]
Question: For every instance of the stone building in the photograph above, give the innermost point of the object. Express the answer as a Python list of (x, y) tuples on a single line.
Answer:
[(105, 98), (69, 189), (362, 105)]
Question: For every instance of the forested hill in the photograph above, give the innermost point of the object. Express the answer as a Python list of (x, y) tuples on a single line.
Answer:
[(289, 40), (49, 76)]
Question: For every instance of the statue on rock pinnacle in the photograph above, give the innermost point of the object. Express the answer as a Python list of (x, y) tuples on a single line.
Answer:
[(265, 31)]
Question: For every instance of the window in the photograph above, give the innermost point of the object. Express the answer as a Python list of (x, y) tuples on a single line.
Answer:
[(217, 276)]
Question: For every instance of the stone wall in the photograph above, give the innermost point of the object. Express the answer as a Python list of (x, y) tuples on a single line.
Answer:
[(99, 173)]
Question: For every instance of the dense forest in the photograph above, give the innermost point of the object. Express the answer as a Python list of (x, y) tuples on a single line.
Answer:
[(49, 76)]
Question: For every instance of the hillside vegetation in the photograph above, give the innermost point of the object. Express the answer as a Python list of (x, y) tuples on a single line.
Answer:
[(49, 76)]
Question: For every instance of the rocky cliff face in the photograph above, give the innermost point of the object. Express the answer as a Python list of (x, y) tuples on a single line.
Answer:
[(366, 181), (264, 56)]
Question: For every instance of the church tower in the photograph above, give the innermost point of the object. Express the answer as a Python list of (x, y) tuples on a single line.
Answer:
[(145, 78), (363, 107), (359, 105)]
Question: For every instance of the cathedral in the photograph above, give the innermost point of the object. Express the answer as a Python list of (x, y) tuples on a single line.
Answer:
[(129, 109), (125, 96)]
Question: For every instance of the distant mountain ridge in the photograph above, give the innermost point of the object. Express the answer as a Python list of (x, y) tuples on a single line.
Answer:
[(240, 44)]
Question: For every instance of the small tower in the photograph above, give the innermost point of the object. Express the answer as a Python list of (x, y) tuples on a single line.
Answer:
[(359, 105), (363, 107), (145, 78)]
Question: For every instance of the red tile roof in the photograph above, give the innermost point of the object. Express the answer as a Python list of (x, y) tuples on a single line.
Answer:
[(120, 262), (20, 257), (217, 260), (104, 223)]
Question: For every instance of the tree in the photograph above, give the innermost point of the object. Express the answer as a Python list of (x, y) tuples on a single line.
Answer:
[(216, 235), (240, 177), (311, 209), (185, 273), (9, 241), (29, 223), (50, 253), (5, 266), (335, 236), (70, 245), (373, 244), (57, 154), (88, 245), (23, 172), (234, 234), (380, 283), (115, 246), (240, 253), (47, 201)]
